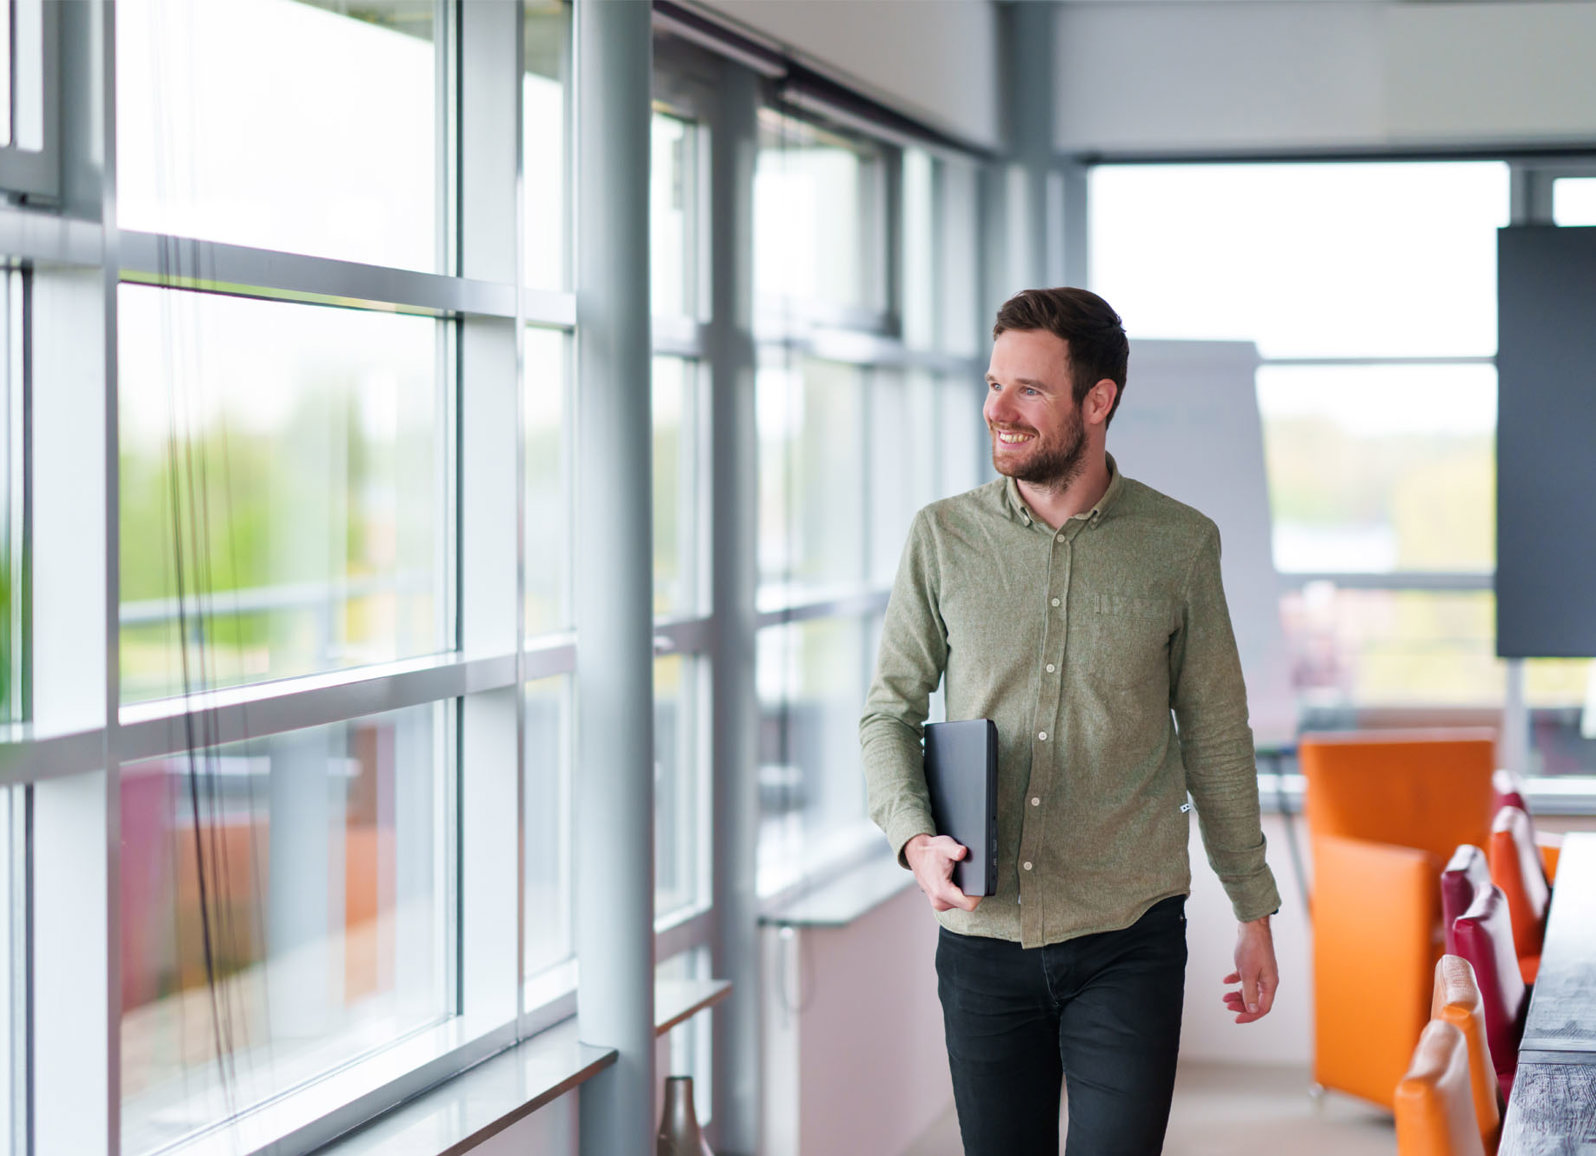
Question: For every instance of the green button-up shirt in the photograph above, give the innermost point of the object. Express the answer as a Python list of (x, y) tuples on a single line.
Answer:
[(1086, 645)]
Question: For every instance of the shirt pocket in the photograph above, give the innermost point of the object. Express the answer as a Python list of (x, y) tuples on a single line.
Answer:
[(1127, 643)]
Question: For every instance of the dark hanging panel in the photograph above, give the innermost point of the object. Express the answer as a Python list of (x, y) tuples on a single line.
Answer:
[(1546, 443)]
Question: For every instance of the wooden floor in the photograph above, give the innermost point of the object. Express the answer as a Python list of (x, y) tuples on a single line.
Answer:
[(1222, 1110)]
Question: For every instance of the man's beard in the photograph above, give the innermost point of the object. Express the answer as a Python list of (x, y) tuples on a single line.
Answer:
[(1051, 467)]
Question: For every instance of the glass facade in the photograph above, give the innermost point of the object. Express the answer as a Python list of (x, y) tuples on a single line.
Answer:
[(286, 906), (284, 490)]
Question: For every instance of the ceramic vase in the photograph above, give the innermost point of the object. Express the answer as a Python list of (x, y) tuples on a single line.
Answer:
[(679, 1133)]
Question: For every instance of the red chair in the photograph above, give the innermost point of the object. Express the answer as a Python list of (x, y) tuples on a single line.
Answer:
[(1484, 937), (1507, 790), (1465, 873), (1433, 1103), (1516, 869)]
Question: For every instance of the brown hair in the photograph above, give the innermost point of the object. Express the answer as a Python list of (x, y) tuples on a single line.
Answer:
[(1095, 333)]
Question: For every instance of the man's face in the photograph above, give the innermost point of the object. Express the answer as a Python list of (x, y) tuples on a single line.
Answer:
[(1037, 432)]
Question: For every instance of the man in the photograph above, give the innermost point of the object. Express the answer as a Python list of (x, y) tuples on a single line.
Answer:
[(1078, 610)]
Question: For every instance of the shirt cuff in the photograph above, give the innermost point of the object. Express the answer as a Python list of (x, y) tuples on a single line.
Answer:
[(905, 826), (1254, 897)]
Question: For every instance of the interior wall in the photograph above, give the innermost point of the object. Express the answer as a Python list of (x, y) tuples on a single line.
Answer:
[(1213, 75), (935, 60)]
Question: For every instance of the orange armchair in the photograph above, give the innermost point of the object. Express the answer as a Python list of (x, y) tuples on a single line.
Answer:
[(1434, 1109), (1385, 811)]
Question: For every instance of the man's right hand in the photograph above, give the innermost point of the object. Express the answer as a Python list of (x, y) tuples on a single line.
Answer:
[(932, 858)]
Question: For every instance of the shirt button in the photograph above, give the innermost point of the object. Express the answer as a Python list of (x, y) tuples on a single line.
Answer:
[(1060, 538), (1051, 668), (1055, 602), (1035, 802), (1027, 864), (1042, 735)]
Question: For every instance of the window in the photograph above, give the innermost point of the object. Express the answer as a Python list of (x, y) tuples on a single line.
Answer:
[(13, 973), (812, 678), (817, 240), (284, 502), (811, 478), (550, 498), (1380, 468), (680, 521), (342, 160), (1574, 201), (29, 164), (13, 488), (1308, 260), (550, 931), (681, 794), (285, 908), (545, 162), (1370, 290), (673, 216)]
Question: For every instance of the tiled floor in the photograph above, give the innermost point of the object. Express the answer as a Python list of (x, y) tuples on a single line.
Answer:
[(1223, 1110)]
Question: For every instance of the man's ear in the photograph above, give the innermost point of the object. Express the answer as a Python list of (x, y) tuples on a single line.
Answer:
[(1099, 402)]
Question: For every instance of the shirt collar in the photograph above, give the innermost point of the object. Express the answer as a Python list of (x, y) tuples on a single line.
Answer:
[(1018, 508)]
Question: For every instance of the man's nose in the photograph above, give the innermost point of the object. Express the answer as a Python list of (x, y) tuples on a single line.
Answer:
[(998, 406)]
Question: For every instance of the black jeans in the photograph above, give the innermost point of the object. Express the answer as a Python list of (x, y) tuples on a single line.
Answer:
[(1102, 1011)]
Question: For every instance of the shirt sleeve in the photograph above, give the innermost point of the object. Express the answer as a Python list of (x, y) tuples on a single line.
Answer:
[(1209, 697), (909, 665)]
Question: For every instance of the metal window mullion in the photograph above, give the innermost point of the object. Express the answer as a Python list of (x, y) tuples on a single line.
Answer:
[(75, 949), (248, 271), (489, 506)]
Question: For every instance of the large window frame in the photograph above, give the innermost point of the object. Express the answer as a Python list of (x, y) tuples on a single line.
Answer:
[(1530, 185), (62, 765)]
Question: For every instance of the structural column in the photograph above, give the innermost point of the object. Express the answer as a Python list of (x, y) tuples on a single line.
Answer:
[(1034, 187), (734, 435), (614, 559)]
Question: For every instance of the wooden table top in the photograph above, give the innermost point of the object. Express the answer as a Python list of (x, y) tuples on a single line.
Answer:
[(1553, 1110), (1562, 1011)]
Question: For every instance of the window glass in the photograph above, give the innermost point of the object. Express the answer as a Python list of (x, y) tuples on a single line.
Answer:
[(1561, 693), (673, 241), (811, 680), (544, 158), (284, 490), (678, 494), (815, 233), (321, 138), (959, 278), (13, 949), (1392, 647), (284, 910), (549, 508), (1308, 260), (1381, 468), (1574, 201), (966, 456), (903, 457), (920, 280), (13, 490), (811, 478), (5, 82), (687, 1045), (549, 894), (681, 848)]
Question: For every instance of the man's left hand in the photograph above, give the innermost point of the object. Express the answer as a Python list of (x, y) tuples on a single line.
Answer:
[(1255, 971)]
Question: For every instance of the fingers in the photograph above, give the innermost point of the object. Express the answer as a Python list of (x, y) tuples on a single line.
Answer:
[(1254, 999)]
